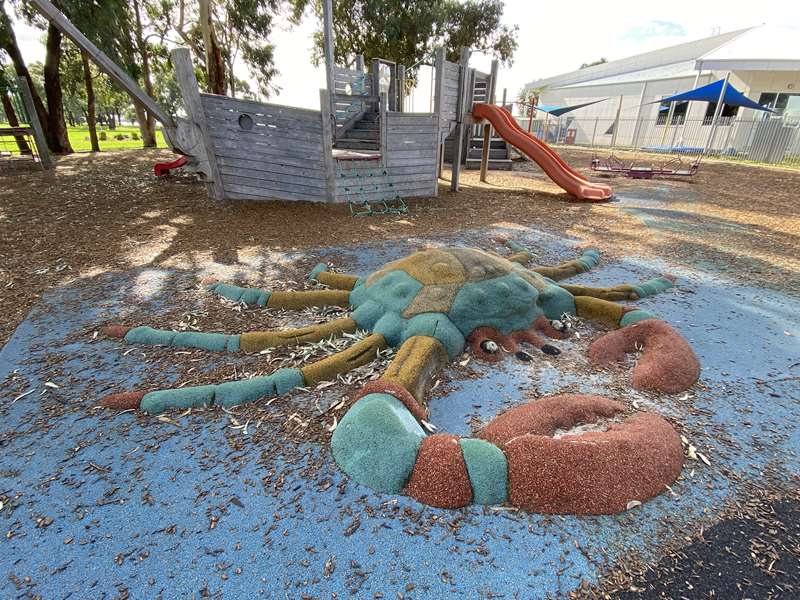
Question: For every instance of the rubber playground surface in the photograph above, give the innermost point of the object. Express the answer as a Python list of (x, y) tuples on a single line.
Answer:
[(208, 504)]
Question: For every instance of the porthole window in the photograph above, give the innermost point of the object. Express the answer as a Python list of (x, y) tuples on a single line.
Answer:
[(246, 122)]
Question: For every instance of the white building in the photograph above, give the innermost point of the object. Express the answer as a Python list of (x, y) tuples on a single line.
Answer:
[(764, 64)]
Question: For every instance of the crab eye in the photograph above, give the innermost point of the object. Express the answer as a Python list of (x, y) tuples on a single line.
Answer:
[(489, 346)]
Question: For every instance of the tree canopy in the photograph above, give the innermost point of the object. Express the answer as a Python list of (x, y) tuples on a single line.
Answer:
[(407, 32), (601, 61)]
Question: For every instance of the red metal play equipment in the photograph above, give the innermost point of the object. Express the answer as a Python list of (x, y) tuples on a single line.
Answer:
[(674, 167), (162, 169)]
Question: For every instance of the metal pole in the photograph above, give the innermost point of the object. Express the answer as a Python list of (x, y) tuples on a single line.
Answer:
[(530, 115), (616, 123), (327, 18), (594, 131), (717, 113), (637, 129), (670, 112)]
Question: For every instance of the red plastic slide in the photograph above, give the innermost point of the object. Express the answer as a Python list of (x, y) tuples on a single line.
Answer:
[(161, 169), (550, 162)]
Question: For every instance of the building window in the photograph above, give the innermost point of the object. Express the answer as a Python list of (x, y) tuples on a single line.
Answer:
[(678, 113), (725, 117), (782, 104)]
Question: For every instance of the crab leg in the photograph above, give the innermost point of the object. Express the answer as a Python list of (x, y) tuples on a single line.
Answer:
[(625, 291), (337, 281), (253, 341), (585, 262), (588, 260), (233, 393), (287, 300)]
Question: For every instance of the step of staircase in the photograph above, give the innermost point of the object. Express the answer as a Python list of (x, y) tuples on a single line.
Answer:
[(356, 144), (499, 154), (362, 134), (502, 164), (496, 142), (367, 125)]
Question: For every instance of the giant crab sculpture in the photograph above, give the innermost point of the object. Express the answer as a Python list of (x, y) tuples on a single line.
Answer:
[(430, 306)]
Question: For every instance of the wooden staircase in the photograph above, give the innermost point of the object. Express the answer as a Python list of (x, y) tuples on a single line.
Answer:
[(499, 151), (499, 154), (363, 135)]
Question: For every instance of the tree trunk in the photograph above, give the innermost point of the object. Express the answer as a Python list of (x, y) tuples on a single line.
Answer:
[(11, 114), (9, 44), (141, 119), (215, 67), (148, 128), (91, 111), (112, 125), (58, 140)]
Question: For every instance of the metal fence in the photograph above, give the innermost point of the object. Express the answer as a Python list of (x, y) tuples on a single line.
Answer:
[(761, 139)]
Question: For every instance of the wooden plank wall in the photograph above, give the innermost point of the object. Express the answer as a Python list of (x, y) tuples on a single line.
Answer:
[(449, 103), (281, 157), (408, 165)]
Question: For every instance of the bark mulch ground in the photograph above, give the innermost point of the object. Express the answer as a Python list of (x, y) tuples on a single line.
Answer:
[(96, 213), (99, 213)]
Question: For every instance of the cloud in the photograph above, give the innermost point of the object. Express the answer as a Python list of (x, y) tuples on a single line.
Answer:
[(654, 29)]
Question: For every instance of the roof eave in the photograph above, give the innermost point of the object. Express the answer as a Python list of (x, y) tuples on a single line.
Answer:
[(748, 64)]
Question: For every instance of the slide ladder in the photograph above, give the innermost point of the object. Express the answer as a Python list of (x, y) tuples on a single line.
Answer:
[(551, 163)]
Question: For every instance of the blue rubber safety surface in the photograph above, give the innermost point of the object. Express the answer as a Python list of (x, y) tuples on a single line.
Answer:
[(98, 504)]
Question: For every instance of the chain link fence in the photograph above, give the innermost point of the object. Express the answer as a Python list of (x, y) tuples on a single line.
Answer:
[(760, 139)]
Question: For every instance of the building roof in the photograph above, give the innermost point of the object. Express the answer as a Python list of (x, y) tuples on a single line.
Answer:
[(671, 59), (685, 68), (765, 48)]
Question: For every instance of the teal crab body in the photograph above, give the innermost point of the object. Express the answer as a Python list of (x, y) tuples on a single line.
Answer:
[(450, 293)]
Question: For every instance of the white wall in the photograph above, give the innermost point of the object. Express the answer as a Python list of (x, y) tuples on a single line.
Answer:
[(595, 120)]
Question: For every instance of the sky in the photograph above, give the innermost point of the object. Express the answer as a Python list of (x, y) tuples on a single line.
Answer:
[(553, 38)]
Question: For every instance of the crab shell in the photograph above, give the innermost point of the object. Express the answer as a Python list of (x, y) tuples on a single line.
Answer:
[(450, 293)]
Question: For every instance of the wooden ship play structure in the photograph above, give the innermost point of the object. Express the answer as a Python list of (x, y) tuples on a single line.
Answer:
[(360, 147)]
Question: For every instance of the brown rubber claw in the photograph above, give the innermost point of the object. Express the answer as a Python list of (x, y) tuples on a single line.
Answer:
[(115, 331), (668, 364), (123, 401)]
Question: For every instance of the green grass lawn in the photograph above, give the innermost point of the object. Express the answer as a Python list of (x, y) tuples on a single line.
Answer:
[(79, 138)]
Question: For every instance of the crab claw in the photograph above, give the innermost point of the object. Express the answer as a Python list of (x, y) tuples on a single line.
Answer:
[(115, 331), (592, 472), (483, 339), (553, 329), (667, 363), (123, 401)]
